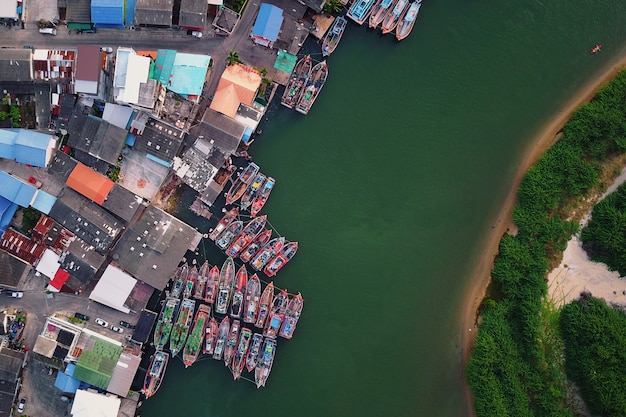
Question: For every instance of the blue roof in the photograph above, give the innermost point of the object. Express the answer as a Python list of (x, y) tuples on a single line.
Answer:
[(163, 65), (268, 22), (130, 12), (7, 140), (246, 135), (7, 211), (44, 202), (65, 382), (188, 74), (15, 190), (31, 147), (130, 139), (107, 12), (158, 160)]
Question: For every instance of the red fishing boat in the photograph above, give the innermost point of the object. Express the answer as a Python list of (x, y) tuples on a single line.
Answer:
[(222, 335), (190, 283), (254, 247), (211, 284), (294, 309), (246, 236), (251, 192), (226, 282), (595, 49), (223, 223), (231, 342), (267, 253), (203, 275), (210, 336), (262, 196), (241, 183), (196, 337), (236, 306), (253, 354), (253, 296), (239, 359), (155, 373), (284, 256), (264, 305)]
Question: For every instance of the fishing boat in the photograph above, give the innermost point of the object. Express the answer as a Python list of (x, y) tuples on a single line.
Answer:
[(294, 309), (194, 341), (164, 324), (179, 280), (264, 366), (231, 341), (595, 49), (280, 303), (241, 353), (222, 335), (181, 328), (267, 253), (405, 26), (253, 354), (246, 236), (253, 296), (297, 81), (190, 283), (333, 36), (286, 253), (224, 222), (203, 275), (262, 196), (392, 18), (210, 337), (229, 234), (251, 192), (273, 325), (211, 285), (360, 10), (241, 183), (155, 374), (264, 305), (379, 11), (225, 285), (257, 243), (236, 306), (313, 86)]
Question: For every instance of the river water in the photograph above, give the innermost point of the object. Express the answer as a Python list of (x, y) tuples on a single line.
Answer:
[(390, 185)]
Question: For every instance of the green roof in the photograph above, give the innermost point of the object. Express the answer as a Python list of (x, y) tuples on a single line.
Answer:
[(96, 366)]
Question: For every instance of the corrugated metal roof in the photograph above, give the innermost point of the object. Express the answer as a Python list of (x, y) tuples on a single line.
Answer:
[(88, 63), (188, 73), (89, 183), (31, 147), (268, 22), (107, 12), (15, 190), (164, 63), (7, 140), (44, 201)]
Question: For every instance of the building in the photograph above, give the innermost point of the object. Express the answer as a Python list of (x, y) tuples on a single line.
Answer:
[(88, 69), (113, 289), (160, 141), (89, 183), (53, 64), (11, 270), (193, 14), (239, 84), (98, 138), (7, 211), (220, 130), (21, 246), (9, 11), (267, 25), (154, 12), (16, 64), (131, 84), (27, 146), (78, 14), (107, 13), (91, 403), (188, 74), (11, 364)]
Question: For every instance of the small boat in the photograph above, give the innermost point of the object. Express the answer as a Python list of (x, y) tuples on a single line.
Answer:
[(227, 279), (280, 303), (236, 306), (392, 18), (224, 222), (231, 341), (251, 192), (211, 285), (294, 309), (297, 81), (194, 341), (264, 366), (181, 328), (241, 183), (203, 275), (239, 359), (314, 85), (190, 282), (286, 253), (333, 36), (210, 336), (163, 327), (595, 49), (253, 354), (267, 253), (405, 26), (155, 374), (262, 196), (179, 280), (257, 243), (246, 236), (379, 11), (253, 296), (273, 325), (360, 10), (264, 305), (229, 234), (222, 335)]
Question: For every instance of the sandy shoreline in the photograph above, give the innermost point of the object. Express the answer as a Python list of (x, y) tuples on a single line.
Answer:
[(481, 275)]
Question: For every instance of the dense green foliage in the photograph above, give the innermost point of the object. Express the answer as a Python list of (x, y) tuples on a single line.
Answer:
[(30, 217), (605, 235), (514, 368), (595, 337)]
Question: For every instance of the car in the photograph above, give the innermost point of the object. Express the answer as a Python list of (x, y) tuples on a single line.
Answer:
[(126, 324), (117, 329), (195, 33), (81, 316), (29, 47), (101, 322), (106, 49), (21, 405), (17, 294), (48, 31)]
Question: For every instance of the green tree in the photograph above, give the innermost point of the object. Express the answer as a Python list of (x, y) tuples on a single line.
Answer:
[(332, 6), (233, 57)]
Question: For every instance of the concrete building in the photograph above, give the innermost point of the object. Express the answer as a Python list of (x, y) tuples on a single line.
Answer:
[(16, 64), (154, 12)]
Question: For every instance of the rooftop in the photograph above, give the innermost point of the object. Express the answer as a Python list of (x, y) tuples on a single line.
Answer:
[(89, 183), (16, 64), (220, 130), (122, 202), (154, 12), (160, 139), (11, 269), (193, 14)]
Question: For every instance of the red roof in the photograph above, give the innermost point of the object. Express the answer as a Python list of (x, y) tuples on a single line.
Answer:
[(21, 246), (59, 279), (88, 63), (89, 183)]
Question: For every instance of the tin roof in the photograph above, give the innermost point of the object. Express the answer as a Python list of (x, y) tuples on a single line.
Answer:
[(89, 183)]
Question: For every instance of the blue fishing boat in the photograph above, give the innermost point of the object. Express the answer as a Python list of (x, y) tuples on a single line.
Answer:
[(333, 36), (360, 10)]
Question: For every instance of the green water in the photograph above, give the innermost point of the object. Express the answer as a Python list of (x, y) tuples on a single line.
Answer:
[(390, 185)]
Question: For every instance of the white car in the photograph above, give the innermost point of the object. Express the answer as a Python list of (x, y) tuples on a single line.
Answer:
[(196, 33), (102, 322), (107, 49), (117, 329), (21, 405), (17, 294)]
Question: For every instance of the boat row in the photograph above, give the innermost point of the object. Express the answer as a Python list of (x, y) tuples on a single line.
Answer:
[(390, 15), (253, 188), (333, 36), (305, 83)]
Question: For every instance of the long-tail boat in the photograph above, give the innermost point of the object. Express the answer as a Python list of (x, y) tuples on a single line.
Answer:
[(276, 314), (203, 275), (314, 85), (231, 341), (294, 309), (251, 192), (155, 374), (393, 17), (210, 336), (191, 282), (246, 236), (253, 354), (227, 279), (241, 183), (224, 222), (236, 306), (179, 280), (222, 335), (360, 10), (241, 353), (257, 243), (379, 11), (253, 296), (286, 253), (267, 253), (408, 20), (264, 305), (229, 234), (264, 366), (195, 338), (333, 36), (164, 324), (181, 328), (262, 196), (211, 284), (297, 81)]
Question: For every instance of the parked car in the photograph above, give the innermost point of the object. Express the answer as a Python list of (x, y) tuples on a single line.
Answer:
[(48, 31), (29, 47), (107, 49), (102, 322), (35, 182), (81, 316), (21, 405), (17, 294), (117, 329), (195, 33), (126, 324)]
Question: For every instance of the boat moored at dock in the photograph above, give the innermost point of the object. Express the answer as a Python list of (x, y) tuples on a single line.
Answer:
[(203, 275), (333, 36), (256, 245), (181, 328), (264, 365), (190, 283), (229, 234), (196, 337), (247, 235), (253, 354), (379, 11), (211, 284), (251, 192), (210, 337), (314, 85), (392, 18), (300, 73), (226, 282), (264, 305), (405, 26), (286, 253), (164, 325), (253, 296), (155, 374), (231, 341), (241, 183), (179, 280), (360, 10), (224, 222), (294, 309), (222, 335), (241, 353), (237, 305), (262, 197), (267, 253)]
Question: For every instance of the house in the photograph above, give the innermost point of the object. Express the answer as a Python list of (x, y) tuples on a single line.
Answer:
[(131, 84), (267, 25), (113, 288), (88, 69), (193, 14), (189, 72), (98, 138), (222, 131), (160, 141), (27, 146), (78, 14), (89, 183), (16, 64), (238, 84), (107, 13), (154, 12), (54, 64)]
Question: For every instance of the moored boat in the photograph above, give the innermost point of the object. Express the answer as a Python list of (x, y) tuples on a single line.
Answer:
[(190, 283), (264, 366), (211, 284), (286, 253), (253, 354), (264, 305), (222, 335), (181, 328), (257, 243), (314, 85), (241, 353), (294, 309), (267, 253), (280, 303), (164, 325), (405, 26), (229, 234), (246, 236), (203, 275), (360, 10), (251, 192), (393, 17), (231, 341), (210, 336), (595, 49), (262, 196), (179, 280), (333, 36), (253, 296), (273, 325), (196, 337), (297, 81), (155, 374), (236, 306), (227, 279), (379, 11), (224, 222), (241, 183)]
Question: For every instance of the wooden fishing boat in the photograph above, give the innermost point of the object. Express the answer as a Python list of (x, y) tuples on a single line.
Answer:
[(181, 328), (163, 328), (191, 282), (246, 236), (286, 253), (251, 192), (229, 234), (227, 279), (405, 26), (392, 18), (264, 366), (294, 309), (262, 196), (222, 335), (155, 374), (257, 243), (360, 10), (267, 253), (179, 280), (297, 81), (379, 11), (253, 354), (211, 285), (203, 275), (236, 306), (276, 314), (231, 342), (241, 183), (196, 337), (253, 296), (264, 305), (241, 353), (314, 85), (224, 222), (333, 36), (210, 336)]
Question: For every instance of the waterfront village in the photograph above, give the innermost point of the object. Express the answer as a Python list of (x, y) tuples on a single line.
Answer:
[(96, 142)]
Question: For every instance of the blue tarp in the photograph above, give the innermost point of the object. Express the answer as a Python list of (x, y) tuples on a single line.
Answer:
[(130, 139), (44, 202), (268, 22), (31, 147), (7, 142), (15, 190), (158, 160), (107, 13), (246, 135)]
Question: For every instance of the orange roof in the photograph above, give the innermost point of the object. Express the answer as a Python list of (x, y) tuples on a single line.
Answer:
[(89, 183), (238, 84)]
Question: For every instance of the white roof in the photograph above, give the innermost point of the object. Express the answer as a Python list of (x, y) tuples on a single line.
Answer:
[(113, 288), (117, 115), (48, 264), (90, 404), (129, 79)]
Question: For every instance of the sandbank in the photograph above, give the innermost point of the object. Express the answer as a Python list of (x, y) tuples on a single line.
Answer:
[(481, 275)]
